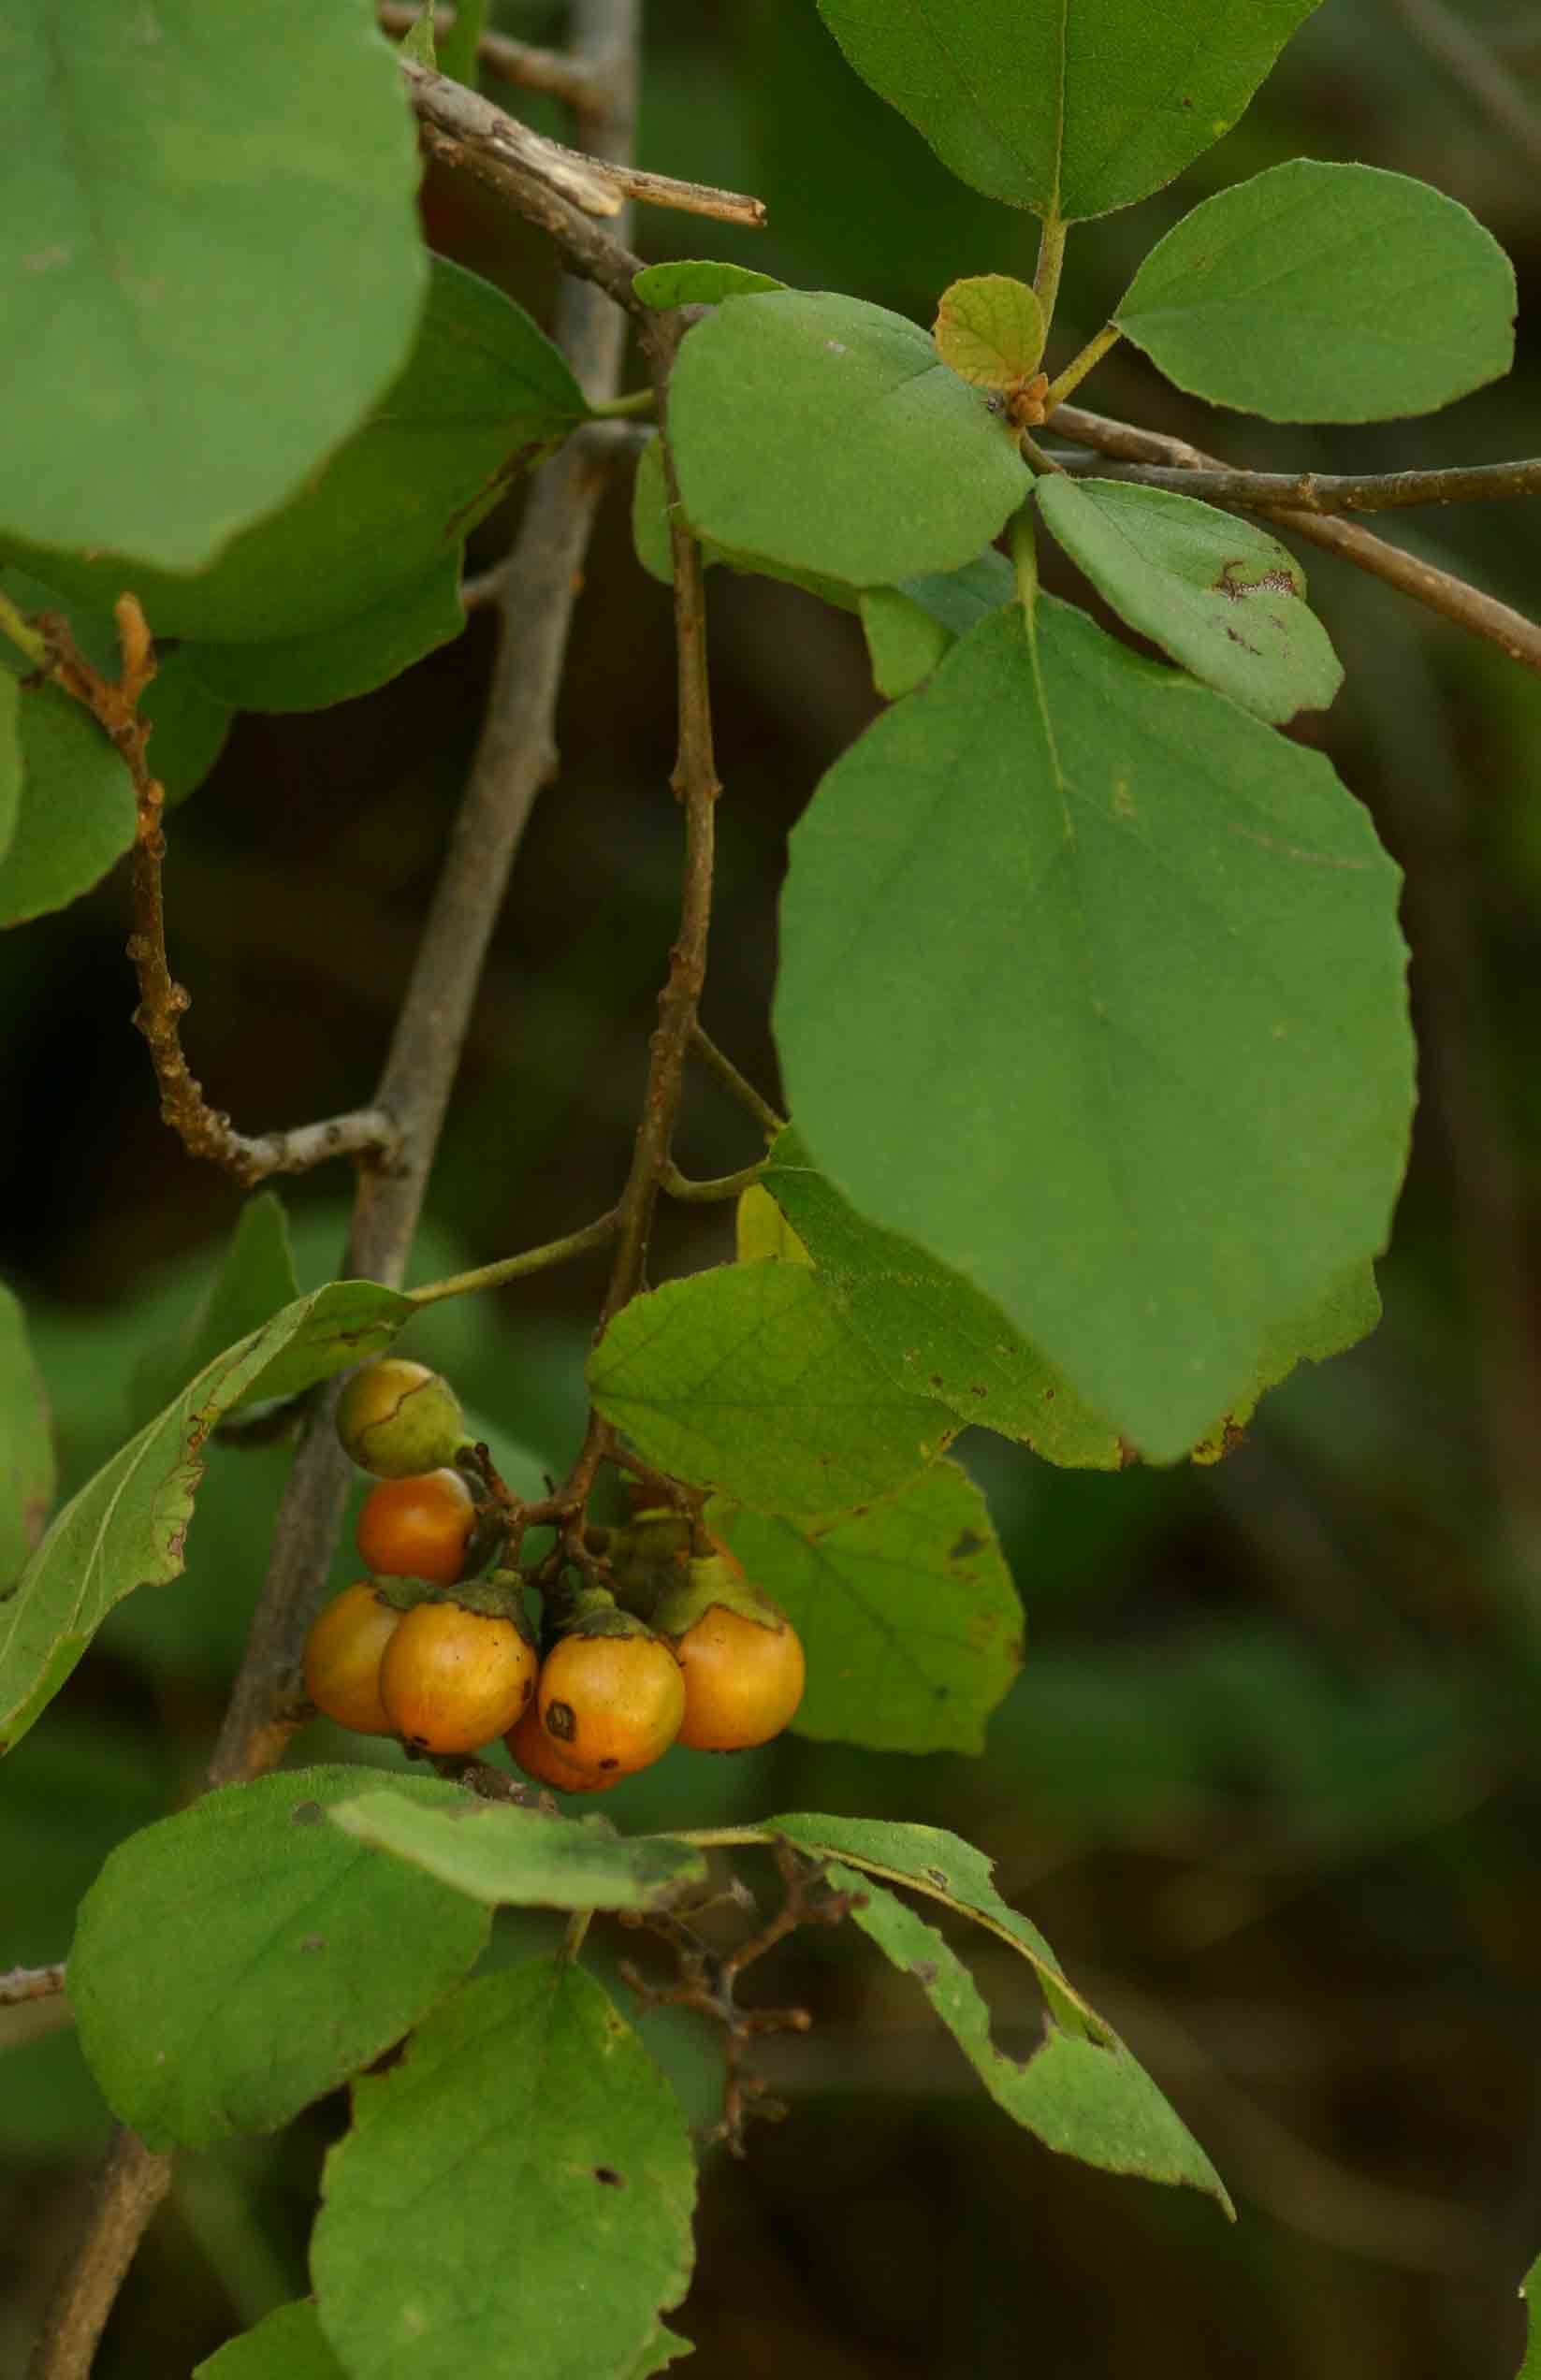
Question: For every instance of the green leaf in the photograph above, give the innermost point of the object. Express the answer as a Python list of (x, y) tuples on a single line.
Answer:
[(77, 814), (336, 664), (1082, 2098), (10, 757), (286, 2344), (1070, 110), (1152, 1090), (654, 551), (762, 1231), (930, 1328), (1348, 1311), (26, 1443), (871, 460), (127, 1526), (664, 2347), (254, 1279), (699, 281), (418, 40), (747, 1379), (1222, 597), (522, 2181), (1091, 2098), (523, 1857), (189, 725), (930, 1860), (909, 628), (482, 391), (1326, 293), (989, 330), (170, 374), (906, 1612), (235, 1962)]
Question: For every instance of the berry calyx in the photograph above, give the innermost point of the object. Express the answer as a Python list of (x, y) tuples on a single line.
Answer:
[(418, 1527), (452, 1678), (342, 1656), (398, 1418), (741, 1658)]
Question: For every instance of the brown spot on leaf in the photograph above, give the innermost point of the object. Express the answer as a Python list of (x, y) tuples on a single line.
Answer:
[(1272, 581), (967, 1542), (608, 2175), (936, 1875), (305, 1814), (924, 1970)]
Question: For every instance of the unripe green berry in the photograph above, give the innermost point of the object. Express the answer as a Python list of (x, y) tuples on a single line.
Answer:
[(398, 1418)]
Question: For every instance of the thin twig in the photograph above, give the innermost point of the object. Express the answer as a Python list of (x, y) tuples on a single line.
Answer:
[(722, 1185), (1441, 591), (514, 757), (130, 2186), (1335, 492), (204, 1131), (1467, 60), (21, 1983), (492, 1276), (591, 183), (528, 68), (707, 1984), (742, 1088), (695, 783)]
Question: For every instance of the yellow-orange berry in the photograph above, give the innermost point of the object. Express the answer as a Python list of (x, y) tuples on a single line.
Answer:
[(342, 1655), (452, 1679), (417, 1528)]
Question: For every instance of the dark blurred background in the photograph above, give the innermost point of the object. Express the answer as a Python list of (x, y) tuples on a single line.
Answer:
[(1270, 1780)]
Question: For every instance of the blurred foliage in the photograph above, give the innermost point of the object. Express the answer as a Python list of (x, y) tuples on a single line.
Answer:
[(1270, 1779)]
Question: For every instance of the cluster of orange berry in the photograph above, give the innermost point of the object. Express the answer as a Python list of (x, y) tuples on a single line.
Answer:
[(658, 1642)]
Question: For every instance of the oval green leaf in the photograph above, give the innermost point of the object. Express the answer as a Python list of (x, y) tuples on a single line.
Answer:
[(338, 663), (482, 391), (749, 1379), (1153, 1092), (1073, 109), (1326, 293), (170, 374), (989, 330), (286, 2344), (77, 814), (906, 1609), (909, 628), (1222, 597), (689, 280), (235, 1962), (127, 1526), (524, 1858), (930, 1328), (869, 460), (520, 2184)]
